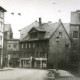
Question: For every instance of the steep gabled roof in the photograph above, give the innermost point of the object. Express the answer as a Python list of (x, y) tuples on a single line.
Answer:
[(66, 29), (24, 31), (49, 29), (2, 9)]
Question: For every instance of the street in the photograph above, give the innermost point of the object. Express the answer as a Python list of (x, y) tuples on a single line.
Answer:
[(28, 74), (22, 74)]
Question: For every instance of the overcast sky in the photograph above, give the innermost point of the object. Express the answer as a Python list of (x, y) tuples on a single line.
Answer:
[(31, 10)]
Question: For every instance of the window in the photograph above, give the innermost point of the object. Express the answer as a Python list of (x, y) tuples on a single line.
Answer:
[(45, 54), (75, 34), (0, 37), (22, 45), (60, 34), (33, 35), (37, 44), (26, 45), (0, 26), (37, 54), (75, 45), (29, 45), (33, 45)]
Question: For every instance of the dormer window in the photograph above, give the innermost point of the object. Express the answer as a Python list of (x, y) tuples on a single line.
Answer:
[(33, 35), (36, 32)]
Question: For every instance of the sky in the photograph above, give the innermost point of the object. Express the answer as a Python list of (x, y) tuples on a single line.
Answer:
[(31, 10)]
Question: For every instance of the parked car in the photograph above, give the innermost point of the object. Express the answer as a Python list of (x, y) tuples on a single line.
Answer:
[(51, 74)]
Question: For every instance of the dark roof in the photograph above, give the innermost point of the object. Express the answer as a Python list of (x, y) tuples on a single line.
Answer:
[(13, 39), (2, 9), (24, 31), (49, 28), (39, 29)]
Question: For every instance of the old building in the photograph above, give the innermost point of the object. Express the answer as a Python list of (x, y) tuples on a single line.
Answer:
[(12, 51), (45, 45), (11, 48), (75, 36), (2, 13)]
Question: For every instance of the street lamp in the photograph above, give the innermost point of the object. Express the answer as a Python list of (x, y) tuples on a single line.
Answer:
[(57, 41), (66, 45)]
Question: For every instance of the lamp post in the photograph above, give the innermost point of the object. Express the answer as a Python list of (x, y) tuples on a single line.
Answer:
[(8, 60), (66, 45), (57, 41)]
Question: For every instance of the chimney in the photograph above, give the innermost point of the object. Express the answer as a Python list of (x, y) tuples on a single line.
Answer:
[(40, 21), (49, 22), (59, 20)]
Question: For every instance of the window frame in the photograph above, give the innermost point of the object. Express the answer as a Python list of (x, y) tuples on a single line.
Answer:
[(75, 34)]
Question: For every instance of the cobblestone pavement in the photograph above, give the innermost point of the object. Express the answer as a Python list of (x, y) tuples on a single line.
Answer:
[(29, 74)]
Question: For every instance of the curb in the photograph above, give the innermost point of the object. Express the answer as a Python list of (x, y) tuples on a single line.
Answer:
[(5, 69)]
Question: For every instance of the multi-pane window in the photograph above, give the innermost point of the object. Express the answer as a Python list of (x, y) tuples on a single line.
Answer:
[(60, 34), (22, 46), (75, 34), (26, 45), (74, 45), (37, 44), (0, 26), (33, 45), (29, 45), (33, 35), (45, 54), (37, 54)]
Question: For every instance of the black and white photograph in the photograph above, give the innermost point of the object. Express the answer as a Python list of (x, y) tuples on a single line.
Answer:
[(39, 39)]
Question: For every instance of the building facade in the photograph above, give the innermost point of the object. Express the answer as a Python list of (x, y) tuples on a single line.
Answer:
[(11, 48), (2, 12), (75, 36), (12, 52), (40, 48)]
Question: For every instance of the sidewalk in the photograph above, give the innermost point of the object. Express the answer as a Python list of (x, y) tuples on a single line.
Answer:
[(64, 73), (6, 69)]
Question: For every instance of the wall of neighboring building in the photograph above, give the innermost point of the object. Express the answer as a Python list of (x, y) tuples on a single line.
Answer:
[(1, 35), (75, 17), (8, 34), (12, 52), (58, 51), (75, 36)]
